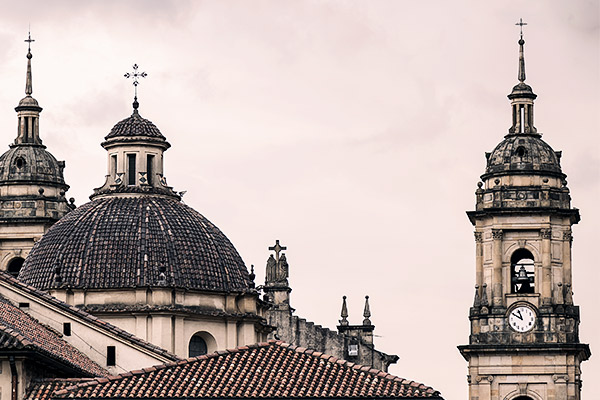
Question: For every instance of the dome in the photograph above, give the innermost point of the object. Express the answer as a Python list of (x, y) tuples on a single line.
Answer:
[(125, 242), (28, 102), (30, 164), (135, 125), (523, 154)]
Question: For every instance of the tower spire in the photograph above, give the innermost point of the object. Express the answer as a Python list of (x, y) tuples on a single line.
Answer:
[(28, 110), (521, 52), (28, 80), (522, 96)]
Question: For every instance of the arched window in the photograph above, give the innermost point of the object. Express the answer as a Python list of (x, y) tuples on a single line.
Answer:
[(14, 266), (523, 398), (522, 272), (197, 346)]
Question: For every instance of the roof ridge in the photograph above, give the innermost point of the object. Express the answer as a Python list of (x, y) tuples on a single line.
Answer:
[(88, 317)]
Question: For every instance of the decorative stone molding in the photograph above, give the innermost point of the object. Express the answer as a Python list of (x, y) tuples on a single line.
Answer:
[(522, 388), (562, 378), (546, 233), (568, 235), (484, 378), (478, 237), (497, 234)]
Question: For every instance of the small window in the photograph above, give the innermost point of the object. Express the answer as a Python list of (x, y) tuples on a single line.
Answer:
[(113, 165), (23, 305), (131, 169), (522, 272), (14, 266), (20, 162), (111, 356), (67, 329), (149, 168), (197, 346), (521, 151)]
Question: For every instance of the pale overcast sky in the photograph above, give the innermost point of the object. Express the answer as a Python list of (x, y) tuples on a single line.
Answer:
[(353, 131)]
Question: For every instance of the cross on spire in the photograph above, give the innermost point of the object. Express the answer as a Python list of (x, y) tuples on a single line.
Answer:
[(277, 249), (521, 24), (29, 40), (135, 75), (28, 79)]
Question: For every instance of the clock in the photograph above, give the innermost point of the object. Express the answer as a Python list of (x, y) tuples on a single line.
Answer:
[(522, 319)]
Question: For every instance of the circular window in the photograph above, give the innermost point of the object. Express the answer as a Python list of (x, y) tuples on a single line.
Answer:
[(197, 346), (14, 266)]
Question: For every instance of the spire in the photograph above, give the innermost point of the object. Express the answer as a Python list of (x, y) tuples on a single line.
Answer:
[(28, 110), (522, 97), (367, 312), (344, 314), (28, 81), (521, 52)]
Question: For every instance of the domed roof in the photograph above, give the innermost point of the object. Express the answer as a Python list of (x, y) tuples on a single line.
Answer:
[(135, 125), (124, 242), (32, 164), (523, 154), (28, 101)]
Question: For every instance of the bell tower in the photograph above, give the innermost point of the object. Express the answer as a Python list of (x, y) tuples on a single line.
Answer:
[(524, 341)]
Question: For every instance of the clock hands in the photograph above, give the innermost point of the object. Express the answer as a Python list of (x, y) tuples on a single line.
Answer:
[(519, 315)]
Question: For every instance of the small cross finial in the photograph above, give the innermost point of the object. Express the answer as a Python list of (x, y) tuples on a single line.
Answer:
[(521, 24), (277, 249), (29, 40), (135, 75)]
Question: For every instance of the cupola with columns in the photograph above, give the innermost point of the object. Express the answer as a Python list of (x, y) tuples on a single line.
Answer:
[(524, 341), (135, 149)]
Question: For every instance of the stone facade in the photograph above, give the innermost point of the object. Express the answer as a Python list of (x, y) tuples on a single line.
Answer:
[(524, 341)]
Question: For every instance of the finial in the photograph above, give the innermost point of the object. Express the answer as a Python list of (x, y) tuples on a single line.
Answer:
[(277, 249), (135, 75), (477, 299), (28, 81), (367, 312), (521, 53), (344, 314), (252, 276)]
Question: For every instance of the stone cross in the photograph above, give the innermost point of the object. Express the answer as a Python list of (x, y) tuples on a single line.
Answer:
[(277, 249)]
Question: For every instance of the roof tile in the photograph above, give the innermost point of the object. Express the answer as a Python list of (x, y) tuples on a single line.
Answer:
[(266, 370)]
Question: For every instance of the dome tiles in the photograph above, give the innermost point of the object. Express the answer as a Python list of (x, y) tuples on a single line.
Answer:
[(140, 241), (523, 154)]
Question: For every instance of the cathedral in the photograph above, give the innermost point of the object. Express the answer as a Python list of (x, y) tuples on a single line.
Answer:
[(135, 294)]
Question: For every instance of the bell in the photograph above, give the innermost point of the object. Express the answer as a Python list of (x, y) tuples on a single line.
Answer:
[(522, 276)]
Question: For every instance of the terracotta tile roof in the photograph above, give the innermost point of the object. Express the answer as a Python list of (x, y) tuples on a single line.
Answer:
[(265, 370), (78, 313), (42, 390), (142, 241), (135, 125), (18, 330)]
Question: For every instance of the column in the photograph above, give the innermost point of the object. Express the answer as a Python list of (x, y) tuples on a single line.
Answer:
[(497, 235), (546, 277)]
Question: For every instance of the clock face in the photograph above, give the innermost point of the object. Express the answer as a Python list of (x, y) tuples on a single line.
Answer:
[(522, 319)]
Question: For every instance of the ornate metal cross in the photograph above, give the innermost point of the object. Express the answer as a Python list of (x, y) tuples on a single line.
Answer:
[(521, 24), (135, 75), (29, 40), (277, 248)]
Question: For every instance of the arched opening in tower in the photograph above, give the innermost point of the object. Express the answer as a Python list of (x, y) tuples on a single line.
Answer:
[(522, 272)]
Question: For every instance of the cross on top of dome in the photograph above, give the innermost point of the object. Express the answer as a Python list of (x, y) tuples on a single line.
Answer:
[(135, 75)]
